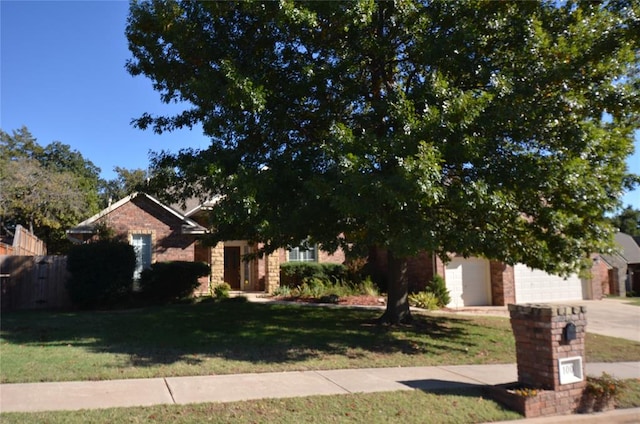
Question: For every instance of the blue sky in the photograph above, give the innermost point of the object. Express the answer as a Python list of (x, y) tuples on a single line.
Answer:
[(62, 76)]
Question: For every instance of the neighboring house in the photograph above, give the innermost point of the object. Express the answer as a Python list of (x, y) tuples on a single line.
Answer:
[(624, 266), (162, 233)]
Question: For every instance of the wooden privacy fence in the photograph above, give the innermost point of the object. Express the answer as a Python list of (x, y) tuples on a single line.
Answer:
[(24, 243), (34, 282)]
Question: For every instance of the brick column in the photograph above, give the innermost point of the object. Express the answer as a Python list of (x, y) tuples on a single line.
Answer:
[(540, 345), (502, 284)]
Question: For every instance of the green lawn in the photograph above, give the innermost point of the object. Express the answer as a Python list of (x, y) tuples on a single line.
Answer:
[(633, 301), (460, 407), (235, 337), (465, 406)]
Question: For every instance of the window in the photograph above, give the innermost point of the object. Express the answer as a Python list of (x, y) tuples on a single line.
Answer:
[(142, 245), (303, 253)]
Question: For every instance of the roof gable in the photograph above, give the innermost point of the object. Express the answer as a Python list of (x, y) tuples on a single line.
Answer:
[(189, 226), (628, 248)]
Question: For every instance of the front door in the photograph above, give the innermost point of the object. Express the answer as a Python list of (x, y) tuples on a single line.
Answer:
[(232, 266)]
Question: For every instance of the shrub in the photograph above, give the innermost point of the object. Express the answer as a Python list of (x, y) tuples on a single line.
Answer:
[(438, 287), (314, 287), (600, 393), (101, 273), (424, 300), (367, 287), (221, 291), (282, 291), (335, 273), (605, 386), (355, 270), (167, 281), (293, 274)]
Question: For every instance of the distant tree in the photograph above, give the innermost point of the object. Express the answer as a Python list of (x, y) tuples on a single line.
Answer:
[(126, 182), (47, 189), (628, 221), (486, 128)]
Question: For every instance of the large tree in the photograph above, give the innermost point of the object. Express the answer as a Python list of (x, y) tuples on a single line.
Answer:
[(47, 189), (479, 127), (628, 221), (126, 182)]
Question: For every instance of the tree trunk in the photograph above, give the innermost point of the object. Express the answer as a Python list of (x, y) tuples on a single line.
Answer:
[(397, 311)]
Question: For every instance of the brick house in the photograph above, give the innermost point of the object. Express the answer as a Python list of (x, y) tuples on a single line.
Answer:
[(622, 266), (163, 233)]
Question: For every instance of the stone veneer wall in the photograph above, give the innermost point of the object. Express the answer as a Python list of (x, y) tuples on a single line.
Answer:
[(538, 331), (272, 272), (217, 263)]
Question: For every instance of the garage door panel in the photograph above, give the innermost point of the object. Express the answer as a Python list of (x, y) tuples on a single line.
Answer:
[(468, 282), (534, 285)]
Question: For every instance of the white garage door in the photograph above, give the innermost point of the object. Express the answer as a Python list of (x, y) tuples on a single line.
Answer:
[(468, 282), (536, 286)]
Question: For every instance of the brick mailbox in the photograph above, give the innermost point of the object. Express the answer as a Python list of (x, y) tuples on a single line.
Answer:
[(550, 355)]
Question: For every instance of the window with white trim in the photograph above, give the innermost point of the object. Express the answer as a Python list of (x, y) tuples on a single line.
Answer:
[(142, 246), (303, 253)]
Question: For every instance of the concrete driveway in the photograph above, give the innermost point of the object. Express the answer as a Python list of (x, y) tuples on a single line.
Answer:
[(613, 317)]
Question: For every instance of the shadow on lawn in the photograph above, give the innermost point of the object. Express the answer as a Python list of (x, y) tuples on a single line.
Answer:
[(258, 333)]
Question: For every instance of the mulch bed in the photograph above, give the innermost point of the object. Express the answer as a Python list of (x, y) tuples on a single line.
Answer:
[(362, 300)]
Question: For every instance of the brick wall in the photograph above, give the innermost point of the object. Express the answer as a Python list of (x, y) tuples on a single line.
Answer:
[(142, 216), (338, 257), (420, 271), (420, 268), (600, 277), (503, 290)]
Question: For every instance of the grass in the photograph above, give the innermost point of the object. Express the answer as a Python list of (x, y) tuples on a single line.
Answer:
[(234, 337), (407, 407), (467, 406), (633, 301), (629, 396)]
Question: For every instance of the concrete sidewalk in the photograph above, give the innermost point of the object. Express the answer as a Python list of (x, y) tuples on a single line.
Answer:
[(31, 397)]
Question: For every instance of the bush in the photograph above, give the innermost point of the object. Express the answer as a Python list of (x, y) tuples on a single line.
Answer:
[(314, 287), (101, 273), (293, 274), (221, 291), (167, 281), (438, 287), (282, 291), (604, 387), (424, 300), (335, 273), (600, 393), (367, 287)]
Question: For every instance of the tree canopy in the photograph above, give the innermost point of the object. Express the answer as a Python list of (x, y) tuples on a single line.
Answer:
[(126, 182), (46, 189), (628, 221), (485, 128)]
